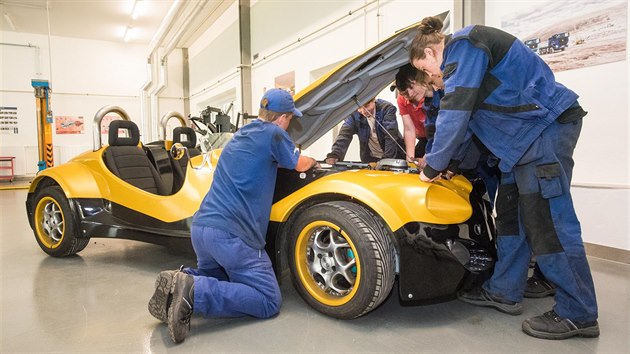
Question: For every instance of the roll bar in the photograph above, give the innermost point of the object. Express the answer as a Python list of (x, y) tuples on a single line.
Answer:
[(165, 119), (97, 122)]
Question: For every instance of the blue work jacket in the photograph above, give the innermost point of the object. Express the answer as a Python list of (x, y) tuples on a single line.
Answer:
[(358, 124), (496, 88), (431, 106)]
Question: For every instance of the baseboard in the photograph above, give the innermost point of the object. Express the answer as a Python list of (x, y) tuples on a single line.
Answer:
[(608, 253)]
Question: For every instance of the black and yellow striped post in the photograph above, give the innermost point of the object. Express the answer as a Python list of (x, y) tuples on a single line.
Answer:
[(44, 123)]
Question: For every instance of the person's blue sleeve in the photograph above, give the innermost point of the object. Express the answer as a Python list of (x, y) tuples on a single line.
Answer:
[(464, 68), (462, 153), (431, 107), (284, 150)]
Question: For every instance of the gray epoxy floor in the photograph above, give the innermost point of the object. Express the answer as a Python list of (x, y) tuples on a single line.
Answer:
[(96, 302)]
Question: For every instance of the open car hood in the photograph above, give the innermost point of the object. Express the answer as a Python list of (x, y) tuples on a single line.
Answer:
[(330, 99)]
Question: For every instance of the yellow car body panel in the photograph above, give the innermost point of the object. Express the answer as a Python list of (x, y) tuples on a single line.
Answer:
[(398, 198), (83, 177)]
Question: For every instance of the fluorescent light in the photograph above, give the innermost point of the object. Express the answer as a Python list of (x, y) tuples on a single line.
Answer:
[(6, 17), (135, 12), (127, 33)]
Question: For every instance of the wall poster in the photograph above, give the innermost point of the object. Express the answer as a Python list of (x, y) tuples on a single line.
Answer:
[(8, 120), (105, 122), (286, 81), (571, 34), (69, 125)]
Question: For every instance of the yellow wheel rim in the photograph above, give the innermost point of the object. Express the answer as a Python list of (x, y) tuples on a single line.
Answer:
[(49, 222), (327, 263)]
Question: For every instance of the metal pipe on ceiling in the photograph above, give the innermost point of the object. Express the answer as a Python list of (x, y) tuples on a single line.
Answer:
[(189, 17), (152, 58), (188, 13)]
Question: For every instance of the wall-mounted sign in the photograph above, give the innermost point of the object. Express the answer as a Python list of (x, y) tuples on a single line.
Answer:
[(69, 125), (8, 120)]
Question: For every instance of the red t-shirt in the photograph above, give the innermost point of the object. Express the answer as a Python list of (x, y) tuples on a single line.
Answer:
[(416, 113)]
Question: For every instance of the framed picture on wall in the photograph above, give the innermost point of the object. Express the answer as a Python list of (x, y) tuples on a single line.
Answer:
[(69, 125), (569, 34)]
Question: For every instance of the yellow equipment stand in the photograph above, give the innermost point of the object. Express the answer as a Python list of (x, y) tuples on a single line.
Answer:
[(44, 123)]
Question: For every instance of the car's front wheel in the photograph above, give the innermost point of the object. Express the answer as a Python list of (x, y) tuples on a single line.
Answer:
[(53, 224), (342, 259)]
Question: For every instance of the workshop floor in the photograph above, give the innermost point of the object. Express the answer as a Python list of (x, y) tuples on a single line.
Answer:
[(97, 302)]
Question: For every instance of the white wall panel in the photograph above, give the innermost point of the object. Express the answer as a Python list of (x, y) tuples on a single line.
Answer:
[(86, 75)]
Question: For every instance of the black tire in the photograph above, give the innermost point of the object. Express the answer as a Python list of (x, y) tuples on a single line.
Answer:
[(342, 259), (54, 226)]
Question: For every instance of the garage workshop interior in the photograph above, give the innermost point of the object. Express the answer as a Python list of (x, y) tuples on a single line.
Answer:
[(115, 115)]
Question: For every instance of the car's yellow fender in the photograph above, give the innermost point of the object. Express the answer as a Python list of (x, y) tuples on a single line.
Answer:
[(86, 176), (398, 198)]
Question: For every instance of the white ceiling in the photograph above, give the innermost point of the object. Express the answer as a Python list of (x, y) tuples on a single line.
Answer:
[(102, 19)]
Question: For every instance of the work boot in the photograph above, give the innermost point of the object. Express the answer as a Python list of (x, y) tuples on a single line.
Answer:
[(480, 297), (537, 288), (161, 299), (181, 308), (551, 326)]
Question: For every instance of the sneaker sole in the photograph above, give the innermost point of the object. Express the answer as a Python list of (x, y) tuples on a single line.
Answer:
[(177, 330), (513, 310), (588, 332), (540, 294), (158, 305)]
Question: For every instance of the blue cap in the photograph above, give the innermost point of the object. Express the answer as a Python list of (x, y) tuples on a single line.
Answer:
[(280, 101)]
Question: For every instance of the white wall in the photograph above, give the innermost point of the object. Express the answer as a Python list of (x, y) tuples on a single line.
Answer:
[(601, 184), (275, 25), (214, 66), (86, 75), (171, 99)]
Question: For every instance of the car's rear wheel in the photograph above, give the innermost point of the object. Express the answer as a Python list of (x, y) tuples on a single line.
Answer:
[(341, 258), (53, 224)]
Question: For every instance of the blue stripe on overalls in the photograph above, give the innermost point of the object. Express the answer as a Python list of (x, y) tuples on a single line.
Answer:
[(544, 223)]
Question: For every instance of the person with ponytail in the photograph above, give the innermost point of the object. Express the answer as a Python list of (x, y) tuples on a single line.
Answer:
[(504, 94)]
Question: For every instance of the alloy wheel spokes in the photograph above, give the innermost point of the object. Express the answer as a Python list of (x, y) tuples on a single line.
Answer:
[(52, 221), (331, 261)]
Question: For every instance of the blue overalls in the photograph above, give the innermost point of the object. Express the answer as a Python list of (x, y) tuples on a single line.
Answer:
[(234, 275), (502, 92)]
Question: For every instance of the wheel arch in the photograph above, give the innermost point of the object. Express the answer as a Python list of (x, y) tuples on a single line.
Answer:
[(77, 180), (366, 234), (281, 240), (41, 182), (396, 198)]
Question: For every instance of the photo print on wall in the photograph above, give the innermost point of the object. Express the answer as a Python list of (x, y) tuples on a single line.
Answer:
[(571, 34)]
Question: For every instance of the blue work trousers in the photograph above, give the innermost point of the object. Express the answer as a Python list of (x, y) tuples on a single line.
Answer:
[(232, 279), (535, 215)]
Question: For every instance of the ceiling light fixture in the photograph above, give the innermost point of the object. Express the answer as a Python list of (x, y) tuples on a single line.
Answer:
[(127, 33), (9, 21), (135, 11)]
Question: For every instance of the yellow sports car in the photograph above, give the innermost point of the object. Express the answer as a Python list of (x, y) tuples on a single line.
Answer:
[(345, 232)]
